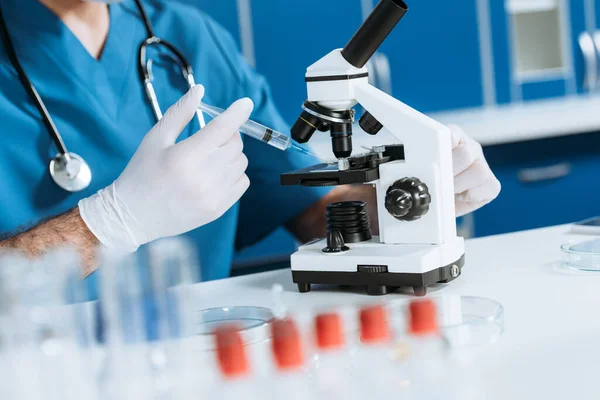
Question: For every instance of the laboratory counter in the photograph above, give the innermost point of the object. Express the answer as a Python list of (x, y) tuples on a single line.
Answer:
[(549, 348), (533, 120), (502, 124)]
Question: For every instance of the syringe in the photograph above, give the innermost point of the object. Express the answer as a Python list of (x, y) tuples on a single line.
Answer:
[(262, 133)]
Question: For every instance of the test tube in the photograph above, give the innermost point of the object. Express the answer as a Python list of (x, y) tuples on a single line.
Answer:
[(121, 291), (12, 267), (54, 327), (125, 371), (279, 306), (173, 269), (39, 331)]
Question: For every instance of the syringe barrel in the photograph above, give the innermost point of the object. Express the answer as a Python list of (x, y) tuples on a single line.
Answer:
[(373, 32), (265, 134), (254, 129)]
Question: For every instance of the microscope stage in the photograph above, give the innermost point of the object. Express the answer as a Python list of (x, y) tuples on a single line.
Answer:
[(379, 266)]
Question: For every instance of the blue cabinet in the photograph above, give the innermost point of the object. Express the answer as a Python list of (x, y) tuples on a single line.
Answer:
[(580, 44), (544, 182), (499, 28), (585, 27), (434, 60), (537, 48), (434, 56)]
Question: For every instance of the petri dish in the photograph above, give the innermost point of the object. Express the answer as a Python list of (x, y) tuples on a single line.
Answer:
[(253, 323), (582, 256), (465, 321)]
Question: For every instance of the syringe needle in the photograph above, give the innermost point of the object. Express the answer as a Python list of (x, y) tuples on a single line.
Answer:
[(296, 147)]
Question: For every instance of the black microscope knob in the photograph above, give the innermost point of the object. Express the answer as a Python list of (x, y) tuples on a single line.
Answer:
[(408, 199), (335, 242)]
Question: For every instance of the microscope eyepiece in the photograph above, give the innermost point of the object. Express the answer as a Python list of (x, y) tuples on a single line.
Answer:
[(374, 30)]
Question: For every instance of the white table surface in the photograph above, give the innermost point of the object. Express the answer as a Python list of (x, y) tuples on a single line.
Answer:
[(551, 344)]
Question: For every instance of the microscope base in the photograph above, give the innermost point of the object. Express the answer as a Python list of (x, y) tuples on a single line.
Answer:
[(382, 268)]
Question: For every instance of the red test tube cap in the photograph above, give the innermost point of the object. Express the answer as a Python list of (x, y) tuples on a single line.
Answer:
[(422, 318), (231, 353), (329, 331), (286, 344), (374, 326)]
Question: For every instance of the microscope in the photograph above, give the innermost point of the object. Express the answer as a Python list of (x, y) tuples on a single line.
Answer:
[(417, 244)]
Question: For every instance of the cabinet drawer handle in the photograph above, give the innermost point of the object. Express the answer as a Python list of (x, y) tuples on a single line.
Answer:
[(588, 48), (540, 174), (596, 40)]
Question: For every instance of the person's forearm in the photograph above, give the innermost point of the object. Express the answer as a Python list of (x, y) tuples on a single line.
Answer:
[(67, 229), (312, 223)]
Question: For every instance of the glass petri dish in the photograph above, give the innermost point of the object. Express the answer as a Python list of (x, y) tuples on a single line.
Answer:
[(253, 323), (582, 256), (465, 321)]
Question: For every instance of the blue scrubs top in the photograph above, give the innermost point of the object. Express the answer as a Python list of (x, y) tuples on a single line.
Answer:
[(101, 110)]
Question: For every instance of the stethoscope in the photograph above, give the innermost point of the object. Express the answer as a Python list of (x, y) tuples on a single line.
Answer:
[(69, 170)]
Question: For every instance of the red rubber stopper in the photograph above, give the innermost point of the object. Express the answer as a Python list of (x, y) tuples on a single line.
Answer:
[(329, 331), (231, 353), (422, 318), (374, 326), (286, 344)]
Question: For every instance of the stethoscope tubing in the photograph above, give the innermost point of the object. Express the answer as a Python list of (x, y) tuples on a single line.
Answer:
[(26, 82), (59, 164)]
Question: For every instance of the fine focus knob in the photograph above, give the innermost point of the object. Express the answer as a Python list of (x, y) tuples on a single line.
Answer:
[(408, 199)]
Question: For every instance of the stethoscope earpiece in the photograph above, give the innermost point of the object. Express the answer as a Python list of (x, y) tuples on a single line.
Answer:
[(70, 172)]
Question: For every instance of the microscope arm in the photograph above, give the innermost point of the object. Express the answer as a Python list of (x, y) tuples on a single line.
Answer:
[(427, 156)]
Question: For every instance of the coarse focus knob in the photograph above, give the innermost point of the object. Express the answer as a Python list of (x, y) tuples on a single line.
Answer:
[(408, 199)]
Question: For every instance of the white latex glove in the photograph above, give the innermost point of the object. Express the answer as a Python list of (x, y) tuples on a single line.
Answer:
[(475, 184), (168, 189)]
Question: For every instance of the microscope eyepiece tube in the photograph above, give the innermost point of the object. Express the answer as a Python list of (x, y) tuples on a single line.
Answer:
[(373, 32)]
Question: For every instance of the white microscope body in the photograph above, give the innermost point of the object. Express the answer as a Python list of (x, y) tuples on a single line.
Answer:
[(416, 247)]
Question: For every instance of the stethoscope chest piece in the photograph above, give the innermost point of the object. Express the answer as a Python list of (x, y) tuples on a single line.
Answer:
[(70, 172)]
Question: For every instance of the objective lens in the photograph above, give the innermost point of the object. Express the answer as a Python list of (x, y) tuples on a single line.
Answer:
[(341, 140), (369, 124), (305, 127)]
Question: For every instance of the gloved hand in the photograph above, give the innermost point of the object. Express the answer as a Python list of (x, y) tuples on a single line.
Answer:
[(475, 184), (168, 188)]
